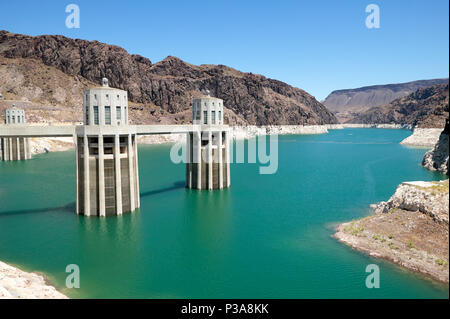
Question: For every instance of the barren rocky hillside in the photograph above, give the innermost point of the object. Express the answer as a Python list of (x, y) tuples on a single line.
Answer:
[(346, 104), (47, 94), (161, 91), (50, 96), (426, 107)]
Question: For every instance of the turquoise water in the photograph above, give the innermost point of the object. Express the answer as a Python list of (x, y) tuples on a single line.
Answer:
[(268, 236)]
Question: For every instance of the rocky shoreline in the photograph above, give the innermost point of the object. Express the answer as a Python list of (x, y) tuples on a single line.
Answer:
[(410, 229), (57, 144), (250, 131), (44, 145), (18, 284), (386, 126), (423, 137)]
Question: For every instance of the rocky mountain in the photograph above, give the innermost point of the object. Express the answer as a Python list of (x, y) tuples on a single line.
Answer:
[(163, 89), (426, 107), (46, 93), (347, 104)]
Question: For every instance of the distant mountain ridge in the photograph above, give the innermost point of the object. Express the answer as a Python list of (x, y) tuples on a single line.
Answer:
[(426, 107), (349, 103), (169, 85)]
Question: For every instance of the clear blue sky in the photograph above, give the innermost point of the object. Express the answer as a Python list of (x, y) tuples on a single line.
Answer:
[(315, 45)]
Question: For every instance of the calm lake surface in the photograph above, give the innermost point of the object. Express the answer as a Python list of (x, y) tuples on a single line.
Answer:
[(268, 236)]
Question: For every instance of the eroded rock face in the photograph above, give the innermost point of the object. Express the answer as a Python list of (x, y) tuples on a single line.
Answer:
[(426, 108), (429, 198), (348, 103), (425, 137), (172, 83), (437, 158)]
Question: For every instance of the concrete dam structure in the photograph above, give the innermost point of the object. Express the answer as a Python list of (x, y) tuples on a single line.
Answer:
[(107, 170), (15, 148)]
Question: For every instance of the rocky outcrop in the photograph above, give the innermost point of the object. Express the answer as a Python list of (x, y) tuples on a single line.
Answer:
[(346, 104), (437, 159), (410, 229), (429, 198), (423, 137), (170, 85), (17, 284), (424, 108)]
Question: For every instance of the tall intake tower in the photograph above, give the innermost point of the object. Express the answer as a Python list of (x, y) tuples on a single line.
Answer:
[(107, 158), (208, 147), (15, 148)]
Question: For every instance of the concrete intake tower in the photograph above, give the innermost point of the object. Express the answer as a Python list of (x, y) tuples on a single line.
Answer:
[(107, 157), (208, 148), (15, 148)]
